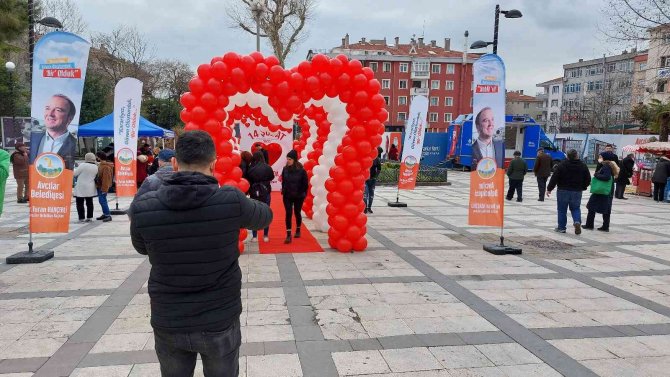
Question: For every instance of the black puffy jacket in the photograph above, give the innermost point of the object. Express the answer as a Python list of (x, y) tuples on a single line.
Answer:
[(294, 183), (190, 228), (260, 173)]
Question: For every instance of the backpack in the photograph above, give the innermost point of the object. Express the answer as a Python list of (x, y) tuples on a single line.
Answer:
[(258, 191)]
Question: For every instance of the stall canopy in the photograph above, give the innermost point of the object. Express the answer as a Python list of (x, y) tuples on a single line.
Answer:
[(656, 147), (104, 127)]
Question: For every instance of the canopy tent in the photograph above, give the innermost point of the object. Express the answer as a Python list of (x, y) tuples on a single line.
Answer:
[(104, 127), (631, 148), (656, 147)]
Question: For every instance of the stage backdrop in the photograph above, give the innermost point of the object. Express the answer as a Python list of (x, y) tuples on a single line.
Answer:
[(59, 69), (277, 143)]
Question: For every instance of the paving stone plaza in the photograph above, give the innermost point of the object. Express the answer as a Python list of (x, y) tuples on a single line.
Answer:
[(423, 301)]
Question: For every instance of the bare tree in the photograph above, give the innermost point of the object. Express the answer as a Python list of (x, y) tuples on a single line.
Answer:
[(171, 78), (630, 20), (281, 21), (66, 11)]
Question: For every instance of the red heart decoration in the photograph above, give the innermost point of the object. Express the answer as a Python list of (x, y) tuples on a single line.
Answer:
[(274, 151), (336, 103)]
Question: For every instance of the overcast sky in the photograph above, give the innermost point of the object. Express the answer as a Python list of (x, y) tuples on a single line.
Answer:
[(534, 48)]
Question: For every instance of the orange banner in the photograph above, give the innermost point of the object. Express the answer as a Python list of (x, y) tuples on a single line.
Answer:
[(125, 171), (50, 194), (487, 186), (407, 174)]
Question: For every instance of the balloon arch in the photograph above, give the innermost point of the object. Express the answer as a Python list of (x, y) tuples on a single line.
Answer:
[(338, 107)]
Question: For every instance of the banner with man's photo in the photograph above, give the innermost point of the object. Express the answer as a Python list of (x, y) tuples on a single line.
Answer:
[(487, 180), (59, 69)]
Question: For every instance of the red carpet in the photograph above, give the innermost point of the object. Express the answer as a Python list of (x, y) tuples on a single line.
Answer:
[(305, 244)]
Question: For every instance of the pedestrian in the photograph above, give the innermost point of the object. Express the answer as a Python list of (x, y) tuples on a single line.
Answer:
[(294, 186), (660, 178), (245, 162), (153, 168), (19, 160), (142, 164), (625, 174), (516, 171), (542, 170), (609, 155), (260, 176), (258, 147), (190, 229), (84, 189), (602, 192), (164, 172), (393, 153), (572, 177), (370, 183), (4, 174), (103, 181)]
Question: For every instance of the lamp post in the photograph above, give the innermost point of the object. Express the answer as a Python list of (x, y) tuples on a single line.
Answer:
[(512, 13), (10, 67), (257, 8), (46, 21)]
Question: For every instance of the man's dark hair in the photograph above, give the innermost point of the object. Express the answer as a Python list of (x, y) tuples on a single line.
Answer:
[(258, 157), (517, 153), (573, 155), (195, 148), (609, 146), (630, 155)]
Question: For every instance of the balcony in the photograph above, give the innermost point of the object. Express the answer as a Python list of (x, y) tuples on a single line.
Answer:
[(420, 74), (418, 91)]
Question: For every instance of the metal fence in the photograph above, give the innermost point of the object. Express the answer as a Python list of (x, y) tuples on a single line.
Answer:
[(427, 174)]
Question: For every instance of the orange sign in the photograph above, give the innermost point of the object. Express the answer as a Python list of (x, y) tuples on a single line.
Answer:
[(487, 186), (50, 194), (125, 172), (409, 169)]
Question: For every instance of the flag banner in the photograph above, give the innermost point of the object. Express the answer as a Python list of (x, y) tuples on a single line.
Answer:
[(59, 69), (487, 180), (127, 102), (415, 127)]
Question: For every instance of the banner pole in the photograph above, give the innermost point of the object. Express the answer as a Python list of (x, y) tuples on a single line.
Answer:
[(397, 203)]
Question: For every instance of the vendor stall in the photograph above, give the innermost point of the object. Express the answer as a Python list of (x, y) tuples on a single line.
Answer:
[(658, 149)]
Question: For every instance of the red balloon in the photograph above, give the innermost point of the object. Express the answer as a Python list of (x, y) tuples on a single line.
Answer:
[(231, 59), (330, 185), (197, 86), (320, 62), (257, 56), (220, 71), (198, 114), (336, 198), (244, 185), (377, 101), (191, 127), (282, 90), (214, 86), (185, 116), (374, 86), (361, 244), (276, 74), (236, 159), (350, 211), (188, 100), (237, 77), (361, 219), (230, 182), (248, 64), (353, 233), (344, 245), (338, 222), (235, 173), (345, 187), (261, 71), (226, 134), (226, 147), (360, 98), (204, 71), (208, 101), (271, 61), (360, 81)]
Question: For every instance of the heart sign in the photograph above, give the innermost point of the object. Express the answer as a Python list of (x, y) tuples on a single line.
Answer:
[(274, 152), (335, 102)]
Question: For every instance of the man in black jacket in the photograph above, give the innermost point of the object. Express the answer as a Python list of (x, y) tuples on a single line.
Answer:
[(572, 176), (370, 183), (189, 228), (627, 165), (542, 170)]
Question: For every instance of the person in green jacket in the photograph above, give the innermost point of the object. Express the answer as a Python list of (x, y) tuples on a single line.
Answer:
[(4, 173), (516, 171)]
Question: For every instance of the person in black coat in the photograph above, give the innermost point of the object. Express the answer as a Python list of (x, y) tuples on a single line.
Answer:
[(625, 174), (370, 183), (260, 176), (190, 229), (294, 186), (602, 203), (660, 178)]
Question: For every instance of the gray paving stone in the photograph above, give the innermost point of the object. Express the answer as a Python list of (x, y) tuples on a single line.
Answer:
[(252, 349), (285, 347), (365, 344), (64, 361), (578, 332), (301, 315), (326, 345), (307, 332), (31, 364), (400, 341), (118, 358), (654, 329), (433, 340), (487, 337)]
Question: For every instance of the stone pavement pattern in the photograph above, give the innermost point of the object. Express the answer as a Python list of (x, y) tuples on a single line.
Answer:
[(423, 301)]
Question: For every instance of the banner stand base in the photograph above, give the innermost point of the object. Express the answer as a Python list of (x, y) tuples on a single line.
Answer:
[(397, 204), (502, 249), (119, 212), (36, 256)]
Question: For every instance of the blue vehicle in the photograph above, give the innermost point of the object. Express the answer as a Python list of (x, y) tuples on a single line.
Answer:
[(527, 138)]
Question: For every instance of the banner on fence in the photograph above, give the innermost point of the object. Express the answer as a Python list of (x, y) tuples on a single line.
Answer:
[(415, 127), (127, 103), (487, 180), (59, 69)]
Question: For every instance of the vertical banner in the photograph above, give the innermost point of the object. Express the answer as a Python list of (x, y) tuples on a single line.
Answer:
[(127, 102), (487, 180), (277, 144), (415, 127), (59, 69)]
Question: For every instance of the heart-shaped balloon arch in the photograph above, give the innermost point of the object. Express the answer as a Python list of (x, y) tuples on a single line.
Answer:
[(337, 104)]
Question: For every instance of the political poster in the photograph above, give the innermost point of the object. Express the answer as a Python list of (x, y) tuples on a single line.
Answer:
[(415, 128), (276, 143), (487, 180), (127, 103), (59, 69)]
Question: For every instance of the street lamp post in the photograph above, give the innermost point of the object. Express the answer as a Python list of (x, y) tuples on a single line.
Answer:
[(513, 13), (10, 67), (46, 21), (257, 8)]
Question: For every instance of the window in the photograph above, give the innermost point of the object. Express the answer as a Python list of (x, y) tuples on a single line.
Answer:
[(435, 84), (434, 101), (404, 67), (554, 103), (387, 100), (553, 116), (526, 105), (386, 84), (449, 85), (577, 72), (448, 101), (420, 66), (432, 117), (402, 100), (416, 84), (435, 68), (611, 67), (447, 117), (402, 116), (617, 115), (660, 87), (451, 68), (555, 89), (589, 86), (598, 85), (373, 66), (402, 84), (643, 66), (386, 67)]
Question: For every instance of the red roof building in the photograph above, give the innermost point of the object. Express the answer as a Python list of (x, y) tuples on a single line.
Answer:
[(443, 75)]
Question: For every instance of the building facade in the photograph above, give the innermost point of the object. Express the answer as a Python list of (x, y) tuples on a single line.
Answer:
[(640, 91), (657, 71), (517, 103), (552, 100), (597, 93), (443, 75)]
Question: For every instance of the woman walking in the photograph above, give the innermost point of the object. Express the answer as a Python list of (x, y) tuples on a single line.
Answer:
[(103, 182), (20, 163), (260, 175), (294, 185), (84, 189), (602, 192)]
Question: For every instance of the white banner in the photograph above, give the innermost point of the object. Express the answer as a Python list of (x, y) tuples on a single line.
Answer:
[(277, 144), (415, 128), (127, 103)]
